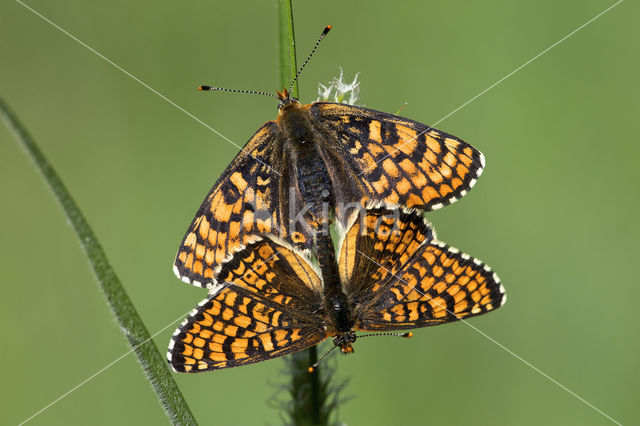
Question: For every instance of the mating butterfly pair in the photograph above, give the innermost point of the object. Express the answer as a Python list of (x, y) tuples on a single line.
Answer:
[(247, 246)]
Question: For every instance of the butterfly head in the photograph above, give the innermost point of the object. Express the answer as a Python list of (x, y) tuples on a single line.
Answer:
[(344, 341), (286, 100)]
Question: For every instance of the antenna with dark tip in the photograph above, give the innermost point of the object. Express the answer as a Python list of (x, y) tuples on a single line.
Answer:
[(324, 33), (405, 334), (253, 92)]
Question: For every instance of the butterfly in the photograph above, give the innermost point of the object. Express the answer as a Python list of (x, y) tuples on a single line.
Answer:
[(393, 272), (362, 156)]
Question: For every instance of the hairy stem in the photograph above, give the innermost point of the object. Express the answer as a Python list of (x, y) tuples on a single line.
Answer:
[(152, 362)]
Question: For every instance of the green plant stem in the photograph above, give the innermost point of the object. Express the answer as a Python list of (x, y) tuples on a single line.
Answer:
[(152, 362), (306, 388), (288, 64)]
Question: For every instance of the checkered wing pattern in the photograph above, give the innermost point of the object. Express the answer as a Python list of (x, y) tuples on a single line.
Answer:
[(267, 308), (434, 284), (242, 203), (400, 161), (376, 245)]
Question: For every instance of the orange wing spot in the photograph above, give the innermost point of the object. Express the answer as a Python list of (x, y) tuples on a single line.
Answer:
[(198, 342), (468, 152), (239, 271), (374, 131), (189, 263), (413, 311), (204, 229), (231, 330), (242, 321), (406, 132), (429, 257), (445, 190), (206, 334), (281, 336), (429, 193), (453, 290), (460, 306), (198, 353), (476, 296), (433, 144), (431, 157), (440, 287), (182, 256), (463, 280), (247, 221), (456, 182), (223, 212), (450, 159), (188, 350), (451, 143), (445, 171), (209, 257), (472, 285), (217, 356), (267, 342), (207, 320), (407, 147), (438, 271), (265, 251), (190, 241), (390, 168), (403, 186), (188, 338), (264, 226), (437, 303), (459, 296), (381, 185), (376, 150), (215, 347), (227, 314), (199, 251), (230, 299), (298, 237), (461, 170), (197, 267)]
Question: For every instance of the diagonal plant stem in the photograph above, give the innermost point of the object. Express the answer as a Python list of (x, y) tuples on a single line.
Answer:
[(152, 362)]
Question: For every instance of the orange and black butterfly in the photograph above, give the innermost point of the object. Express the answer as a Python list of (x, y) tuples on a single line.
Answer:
[(340, 155), (271, 301)]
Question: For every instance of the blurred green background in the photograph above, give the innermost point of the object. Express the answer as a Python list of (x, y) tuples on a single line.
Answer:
[(555, 213)]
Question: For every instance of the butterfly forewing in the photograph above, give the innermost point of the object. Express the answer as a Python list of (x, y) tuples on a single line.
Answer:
[(236, 327), (401, 161), (242, 203)]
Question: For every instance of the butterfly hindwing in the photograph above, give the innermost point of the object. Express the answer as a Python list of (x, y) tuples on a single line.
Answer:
[(376, 244), (275, 271), (236, 327), (401, 161), (438, 284)]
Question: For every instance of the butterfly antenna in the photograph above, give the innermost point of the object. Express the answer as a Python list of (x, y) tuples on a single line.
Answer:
[(324, 33), (406, 334), (221, 89), (315, 365)]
